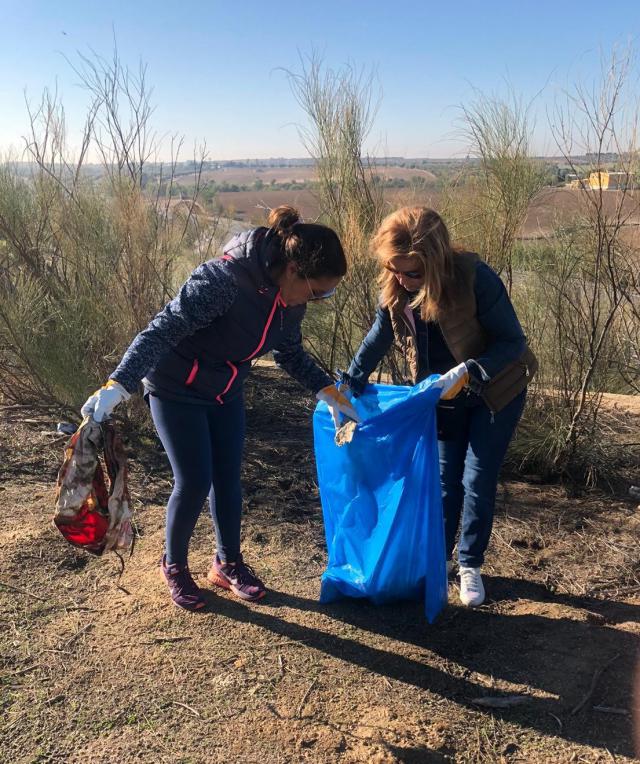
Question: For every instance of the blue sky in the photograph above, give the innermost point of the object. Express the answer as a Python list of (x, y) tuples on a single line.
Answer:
[(216, 66)]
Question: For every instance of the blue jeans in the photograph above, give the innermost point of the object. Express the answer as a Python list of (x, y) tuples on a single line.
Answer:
[(204, 446), (470, 461)]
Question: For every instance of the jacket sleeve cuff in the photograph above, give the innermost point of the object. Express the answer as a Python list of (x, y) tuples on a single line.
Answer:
[(478, 377), (320, 384), (130, 386), (356, 386)]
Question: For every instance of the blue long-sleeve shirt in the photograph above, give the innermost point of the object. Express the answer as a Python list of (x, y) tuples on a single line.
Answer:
[(208, 293), (495, 313)]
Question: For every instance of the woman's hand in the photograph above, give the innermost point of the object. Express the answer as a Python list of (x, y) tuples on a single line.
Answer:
[(453, 381), (103, 401), (338, 404)]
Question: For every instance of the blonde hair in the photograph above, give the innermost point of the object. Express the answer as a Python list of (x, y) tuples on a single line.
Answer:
[(420, 233)]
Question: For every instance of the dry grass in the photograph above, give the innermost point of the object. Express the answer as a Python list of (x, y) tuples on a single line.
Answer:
[(101, 670)]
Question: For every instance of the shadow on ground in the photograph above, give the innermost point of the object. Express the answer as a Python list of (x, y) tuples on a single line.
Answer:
[(551, 655)]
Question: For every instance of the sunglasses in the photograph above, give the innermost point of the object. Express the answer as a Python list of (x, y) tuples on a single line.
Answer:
[(325, 295), (408, 274)]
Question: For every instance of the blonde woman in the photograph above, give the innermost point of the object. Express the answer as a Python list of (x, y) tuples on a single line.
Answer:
[(450, 314)]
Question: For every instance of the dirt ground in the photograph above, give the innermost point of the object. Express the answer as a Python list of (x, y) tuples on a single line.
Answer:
[(96, 669)]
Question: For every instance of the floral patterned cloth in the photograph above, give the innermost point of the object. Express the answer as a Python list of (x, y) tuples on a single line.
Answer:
[(89, 514)]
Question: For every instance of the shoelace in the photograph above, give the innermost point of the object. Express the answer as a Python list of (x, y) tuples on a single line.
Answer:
[(183, 580), (470, 579), (243, 572)]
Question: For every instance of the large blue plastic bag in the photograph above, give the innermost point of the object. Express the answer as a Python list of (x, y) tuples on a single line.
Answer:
[(381, 499)]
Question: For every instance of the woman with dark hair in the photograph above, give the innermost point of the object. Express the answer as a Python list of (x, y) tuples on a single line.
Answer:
[(451, 315), (193, 359)]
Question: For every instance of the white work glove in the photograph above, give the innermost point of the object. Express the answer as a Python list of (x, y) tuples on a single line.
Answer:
[(453, 381), (338, 404), (103, 401)]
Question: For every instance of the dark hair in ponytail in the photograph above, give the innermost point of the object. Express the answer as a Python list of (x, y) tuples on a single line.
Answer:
[(315, 249)]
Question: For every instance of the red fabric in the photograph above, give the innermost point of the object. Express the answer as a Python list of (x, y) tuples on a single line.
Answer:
[(87, 530), (87, 525)]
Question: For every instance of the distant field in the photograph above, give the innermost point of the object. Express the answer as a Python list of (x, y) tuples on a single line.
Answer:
[(550, 208), (250, 205), (248, 175), (563, 205)]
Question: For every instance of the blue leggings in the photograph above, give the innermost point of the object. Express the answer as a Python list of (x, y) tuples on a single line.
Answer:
[(470, 461), (204, 446)]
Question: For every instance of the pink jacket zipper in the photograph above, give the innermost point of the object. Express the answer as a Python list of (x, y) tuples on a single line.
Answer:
[(277, 303)]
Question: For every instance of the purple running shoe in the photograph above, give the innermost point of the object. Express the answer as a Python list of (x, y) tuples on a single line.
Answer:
[(184, 590), (238, 578)]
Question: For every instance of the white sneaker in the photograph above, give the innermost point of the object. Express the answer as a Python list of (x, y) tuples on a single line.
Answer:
[(471, 587)]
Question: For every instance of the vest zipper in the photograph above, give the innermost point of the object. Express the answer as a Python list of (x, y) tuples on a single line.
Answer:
[(234, 374), (192, 374), (278, 302)]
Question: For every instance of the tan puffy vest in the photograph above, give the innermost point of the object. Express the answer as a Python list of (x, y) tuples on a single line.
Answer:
[(465, 339)]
